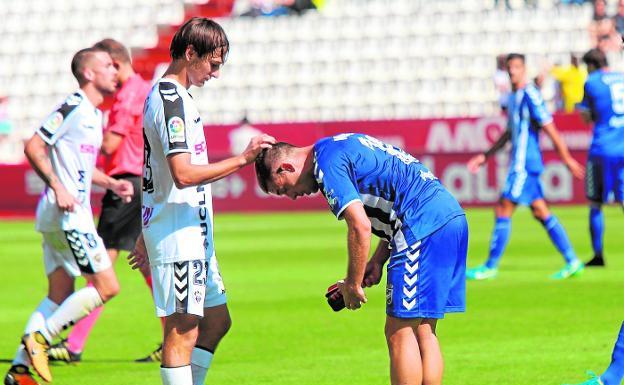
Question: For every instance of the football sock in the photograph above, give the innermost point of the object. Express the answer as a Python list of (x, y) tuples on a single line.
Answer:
[(77, 338), (559, 237), (615, 372), (181, 375), (500, 237), (35, 322), (596, 229), (201, 358), (73, 309)]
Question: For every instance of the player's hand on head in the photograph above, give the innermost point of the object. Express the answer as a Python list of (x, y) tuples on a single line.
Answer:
[(475, 163), (372, 274), (256, 145), (353, 295), (124, 190)]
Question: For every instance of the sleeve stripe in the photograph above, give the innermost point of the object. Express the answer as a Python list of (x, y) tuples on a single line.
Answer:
[(173, 110), (344, 207)]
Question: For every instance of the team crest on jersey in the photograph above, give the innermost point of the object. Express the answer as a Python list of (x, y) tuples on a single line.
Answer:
[(331, 199), (73, 100), (389, 294), (55, 120), (197, 296), (175, 125)]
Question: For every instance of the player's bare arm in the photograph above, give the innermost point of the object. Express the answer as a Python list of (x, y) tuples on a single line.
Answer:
[(121, 187), (374, 267), (479, 160), (358, 244), (36, 151), (138, 258), (110, 142), (186, 174), (562, 149)]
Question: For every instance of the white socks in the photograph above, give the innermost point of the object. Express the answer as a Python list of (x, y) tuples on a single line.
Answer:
[(177, 376), (73, 309), (35, 322), (200, 362)]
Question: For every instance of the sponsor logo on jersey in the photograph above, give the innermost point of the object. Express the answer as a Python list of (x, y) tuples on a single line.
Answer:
[(175, 125), (147, 213), (55, 120), (88, 149), (200, 148)]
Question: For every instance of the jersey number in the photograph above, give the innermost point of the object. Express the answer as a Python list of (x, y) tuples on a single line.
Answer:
[(617, 97)]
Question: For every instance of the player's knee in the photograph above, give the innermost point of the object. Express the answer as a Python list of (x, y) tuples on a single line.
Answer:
[(108, 290)]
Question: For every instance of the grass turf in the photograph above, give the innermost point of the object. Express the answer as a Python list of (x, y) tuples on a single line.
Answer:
[(520, 328)]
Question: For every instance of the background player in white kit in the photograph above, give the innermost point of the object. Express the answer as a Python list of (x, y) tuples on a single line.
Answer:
[(177, 205), (63, 152)]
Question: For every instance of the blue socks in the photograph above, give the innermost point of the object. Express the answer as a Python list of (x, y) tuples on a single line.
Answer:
[(500, 237), (615, 372), (596, 229), (559, 237)]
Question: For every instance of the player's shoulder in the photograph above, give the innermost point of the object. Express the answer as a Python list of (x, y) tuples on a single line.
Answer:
[(533, 94)]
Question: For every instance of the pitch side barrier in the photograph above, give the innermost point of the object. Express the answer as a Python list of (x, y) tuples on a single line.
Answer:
[(444, 145)]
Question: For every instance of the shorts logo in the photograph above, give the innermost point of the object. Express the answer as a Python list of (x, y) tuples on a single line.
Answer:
[(55, 120), (175, 126), (389, 294), (197, 296), (97, 258)]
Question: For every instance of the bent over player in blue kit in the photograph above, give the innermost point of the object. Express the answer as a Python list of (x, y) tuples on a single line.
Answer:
[(527, 115), (603, 104), (379, 189)]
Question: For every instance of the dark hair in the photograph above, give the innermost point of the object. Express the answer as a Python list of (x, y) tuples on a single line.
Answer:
[(115, 49), (79, 61), (265, 160), (512, 56), (596, 58), (206, 37)]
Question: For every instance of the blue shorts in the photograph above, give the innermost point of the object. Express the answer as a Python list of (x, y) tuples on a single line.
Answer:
[(604, 176), (428, 279), (523, 188)]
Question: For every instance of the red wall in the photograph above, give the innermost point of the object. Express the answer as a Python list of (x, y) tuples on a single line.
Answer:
[(442, 144)]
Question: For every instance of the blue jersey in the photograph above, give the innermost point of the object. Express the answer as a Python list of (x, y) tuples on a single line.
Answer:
[(403, 199), (604, 99), (526, 113)]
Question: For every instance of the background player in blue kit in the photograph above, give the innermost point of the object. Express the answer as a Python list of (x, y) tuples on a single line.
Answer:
[(603, 104), (527, 114), (380, 189)]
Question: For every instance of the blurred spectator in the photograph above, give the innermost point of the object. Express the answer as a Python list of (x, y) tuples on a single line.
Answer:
[(602, 28), (571, 79), (501, 82), (618, 19), (6, 127), (528, 3), (278, 7)]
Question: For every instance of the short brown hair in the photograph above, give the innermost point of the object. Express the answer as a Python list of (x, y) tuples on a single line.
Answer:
[(79, 61), (205, 35), (115, 49), (595, 58), (266, 159)]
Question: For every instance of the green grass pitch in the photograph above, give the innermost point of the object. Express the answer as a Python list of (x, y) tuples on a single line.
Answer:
[(520, 329)]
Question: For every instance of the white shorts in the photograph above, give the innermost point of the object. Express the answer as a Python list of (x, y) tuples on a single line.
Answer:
[(77, 252), (187, 287)]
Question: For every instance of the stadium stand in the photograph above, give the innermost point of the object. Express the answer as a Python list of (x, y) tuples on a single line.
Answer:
[(354, 59)]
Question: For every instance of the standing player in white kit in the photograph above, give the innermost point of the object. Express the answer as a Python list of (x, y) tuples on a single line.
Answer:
[(177, 205)]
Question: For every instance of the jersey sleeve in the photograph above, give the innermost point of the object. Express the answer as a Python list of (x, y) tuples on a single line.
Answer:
[(336, 180), (537, 107), (172, 127), (56, 124)]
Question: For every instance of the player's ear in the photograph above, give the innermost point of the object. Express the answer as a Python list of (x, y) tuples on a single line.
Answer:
[(286, 167), (88, 74), (190, 52)]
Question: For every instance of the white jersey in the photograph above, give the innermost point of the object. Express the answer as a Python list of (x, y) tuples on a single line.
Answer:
[(73, 133), (177, 223)]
